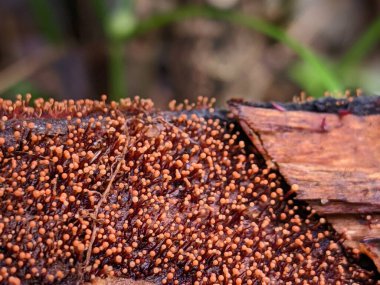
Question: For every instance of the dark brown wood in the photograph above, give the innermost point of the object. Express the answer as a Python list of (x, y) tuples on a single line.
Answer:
[(119, 281), (335, 161)]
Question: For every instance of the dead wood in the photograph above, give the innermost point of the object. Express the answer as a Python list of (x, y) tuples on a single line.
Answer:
[(332, 151), (119, 281)]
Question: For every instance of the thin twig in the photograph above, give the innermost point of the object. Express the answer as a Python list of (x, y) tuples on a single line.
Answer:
[(26, 67), (101, 201)]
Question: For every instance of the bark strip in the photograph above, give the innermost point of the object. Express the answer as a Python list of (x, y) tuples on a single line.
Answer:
[(334, 159)]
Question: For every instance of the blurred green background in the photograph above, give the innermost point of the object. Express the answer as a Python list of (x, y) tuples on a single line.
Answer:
[(176, 49)]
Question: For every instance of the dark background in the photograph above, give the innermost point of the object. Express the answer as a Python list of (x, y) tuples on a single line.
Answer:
[(77, 49)]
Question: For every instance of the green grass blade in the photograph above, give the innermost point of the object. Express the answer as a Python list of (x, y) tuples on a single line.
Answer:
[(100, 9), (328, 78), (117, 70), (43, 15), (361, 48)]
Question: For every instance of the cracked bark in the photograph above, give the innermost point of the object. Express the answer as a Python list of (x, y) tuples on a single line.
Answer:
[(331, 149)]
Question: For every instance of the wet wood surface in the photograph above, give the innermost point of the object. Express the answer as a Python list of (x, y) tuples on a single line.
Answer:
[(335, 161), (118, 281)]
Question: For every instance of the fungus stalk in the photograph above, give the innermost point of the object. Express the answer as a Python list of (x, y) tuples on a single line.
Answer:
[(94, 190)]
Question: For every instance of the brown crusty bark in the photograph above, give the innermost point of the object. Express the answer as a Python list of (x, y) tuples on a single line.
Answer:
[(118, 281), (333, 157)]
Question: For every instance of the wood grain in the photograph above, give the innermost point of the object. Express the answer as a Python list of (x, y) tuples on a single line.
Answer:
[(118, 281), (334, 159)]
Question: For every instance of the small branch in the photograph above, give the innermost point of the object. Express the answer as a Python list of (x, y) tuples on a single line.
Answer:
[(26, 67), (101, 201)]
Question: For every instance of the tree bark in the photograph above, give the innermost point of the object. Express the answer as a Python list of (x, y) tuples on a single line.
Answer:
[(332, 154)]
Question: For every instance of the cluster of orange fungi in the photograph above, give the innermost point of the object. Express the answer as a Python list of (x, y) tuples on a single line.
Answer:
[(94, 190)]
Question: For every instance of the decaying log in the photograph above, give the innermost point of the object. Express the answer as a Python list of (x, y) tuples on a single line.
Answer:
[(331, 149), (118, 281), (113, 192)]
